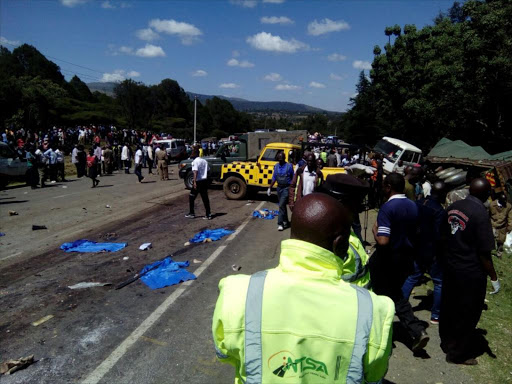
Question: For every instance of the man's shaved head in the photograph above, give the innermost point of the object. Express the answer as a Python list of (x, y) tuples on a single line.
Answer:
[(480, 188), (321, 220)]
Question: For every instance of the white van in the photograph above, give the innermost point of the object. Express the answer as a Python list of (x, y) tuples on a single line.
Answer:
[(394, 150)]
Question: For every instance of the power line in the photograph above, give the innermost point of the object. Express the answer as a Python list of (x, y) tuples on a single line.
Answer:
[(64, 61)]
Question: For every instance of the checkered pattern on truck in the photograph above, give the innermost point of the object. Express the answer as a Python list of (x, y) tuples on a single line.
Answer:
[(252, 174)]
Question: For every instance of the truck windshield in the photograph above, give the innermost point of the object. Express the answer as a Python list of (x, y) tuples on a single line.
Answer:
[(390, 150)]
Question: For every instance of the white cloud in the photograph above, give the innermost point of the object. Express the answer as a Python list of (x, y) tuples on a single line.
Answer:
[(107, 5), (336, 57), (316, 28), (274, 1), (241, 64), (360, 64), (124, 4), (229, 85), (267, 42), (286, 87), (3, 40), (147, 34), (334, 76), (118, 75), (150, 50), (199, 73), (188, 33), (315, 84), (72, 3), (273, 77), (283, 20), (125, 49), (245, 3)]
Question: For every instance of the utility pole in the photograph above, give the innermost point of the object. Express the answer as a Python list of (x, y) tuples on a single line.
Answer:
[(195, 118)]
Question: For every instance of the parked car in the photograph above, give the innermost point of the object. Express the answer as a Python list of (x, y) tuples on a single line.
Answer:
[(176, 148), (12, 168)]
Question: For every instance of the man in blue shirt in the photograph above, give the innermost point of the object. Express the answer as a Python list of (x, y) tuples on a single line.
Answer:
[(282, 175), (393, 260)]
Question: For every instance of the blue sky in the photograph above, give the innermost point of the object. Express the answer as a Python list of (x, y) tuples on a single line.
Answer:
[(307, 52)]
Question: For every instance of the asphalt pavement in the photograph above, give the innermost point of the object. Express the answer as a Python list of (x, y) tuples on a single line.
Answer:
[(135, 334)]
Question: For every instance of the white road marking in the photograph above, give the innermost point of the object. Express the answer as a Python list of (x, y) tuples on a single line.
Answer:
[(102, 369), (67, 194), (8, 257)]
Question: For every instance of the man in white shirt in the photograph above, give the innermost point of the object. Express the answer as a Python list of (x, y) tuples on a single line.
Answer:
[(74, 157), (125, 158), (200, 169), (138, 164), (150, 159)]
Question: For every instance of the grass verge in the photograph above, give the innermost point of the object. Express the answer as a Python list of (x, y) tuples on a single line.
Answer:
[(497, 320)]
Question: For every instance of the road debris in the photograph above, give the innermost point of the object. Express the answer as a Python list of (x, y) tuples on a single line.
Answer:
[(13, 213), (195, 261), (145, 246), (186, 244), (165, 273), (126, 258), (107, 206), (91, 246), (209, 235), (88, 285), (2, 234), (64, 186), (266, 214), (236, 268), (42, 320), (10, 366), (38, 227)]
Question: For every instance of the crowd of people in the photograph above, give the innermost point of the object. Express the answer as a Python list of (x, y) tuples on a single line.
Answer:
[(421, 228)]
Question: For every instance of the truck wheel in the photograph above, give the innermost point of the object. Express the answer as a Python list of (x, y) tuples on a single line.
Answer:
[(235, 188), (189, 180)]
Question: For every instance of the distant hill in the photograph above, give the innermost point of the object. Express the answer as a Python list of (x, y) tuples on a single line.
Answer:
[(261, 106), (107, 88), (239, 104)]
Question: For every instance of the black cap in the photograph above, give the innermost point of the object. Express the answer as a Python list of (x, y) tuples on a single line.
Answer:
[(345, 187)]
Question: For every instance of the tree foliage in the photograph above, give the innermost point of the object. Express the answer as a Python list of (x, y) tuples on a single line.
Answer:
[(35, 95), (452, 78)]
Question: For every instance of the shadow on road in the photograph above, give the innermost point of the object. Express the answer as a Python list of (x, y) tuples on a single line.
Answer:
[(13, 202)]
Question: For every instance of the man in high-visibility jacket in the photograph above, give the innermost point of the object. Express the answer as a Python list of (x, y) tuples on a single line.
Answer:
[(351, 191), (300, 322)]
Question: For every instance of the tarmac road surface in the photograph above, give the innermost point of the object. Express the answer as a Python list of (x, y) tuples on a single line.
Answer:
[(135, 334)]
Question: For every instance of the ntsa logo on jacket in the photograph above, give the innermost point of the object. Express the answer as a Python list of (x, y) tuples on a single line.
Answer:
[(285, 364)]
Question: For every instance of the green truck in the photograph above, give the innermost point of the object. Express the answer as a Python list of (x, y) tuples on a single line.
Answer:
[(247, 147)]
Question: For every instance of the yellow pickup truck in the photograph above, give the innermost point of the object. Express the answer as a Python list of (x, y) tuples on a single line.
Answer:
[(241, 175)]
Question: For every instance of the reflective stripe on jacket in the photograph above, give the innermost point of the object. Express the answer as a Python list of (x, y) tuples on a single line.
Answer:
[(300, 323), (355, 266)]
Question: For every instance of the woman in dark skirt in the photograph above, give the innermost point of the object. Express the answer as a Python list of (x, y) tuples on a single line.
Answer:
[(92, 162)]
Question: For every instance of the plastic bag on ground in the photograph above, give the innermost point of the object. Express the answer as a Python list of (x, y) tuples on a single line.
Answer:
[(507, 245)]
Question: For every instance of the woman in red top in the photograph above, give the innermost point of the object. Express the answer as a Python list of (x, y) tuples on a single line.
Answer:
[(93, 170)]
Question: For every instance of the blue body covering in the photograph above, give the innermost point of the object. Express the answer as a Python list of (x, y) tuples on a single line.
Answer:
[(91, 246), (270, 216), (168, 273), (214, 234)]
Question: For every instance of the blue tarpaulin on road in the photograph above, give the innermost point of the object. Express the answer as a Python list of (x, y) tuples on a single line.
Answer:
[(168, 273), (214, 234), (268, 214), (91, 246)]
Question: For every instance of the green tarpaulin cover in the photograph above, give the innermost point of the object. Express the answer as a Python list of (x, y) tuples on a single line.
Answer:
[(459, 149)]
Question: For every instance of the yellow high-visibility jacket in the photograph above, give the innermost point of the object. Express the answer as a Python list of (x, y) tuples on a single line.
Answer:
[(355, 266), (301, 323)]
